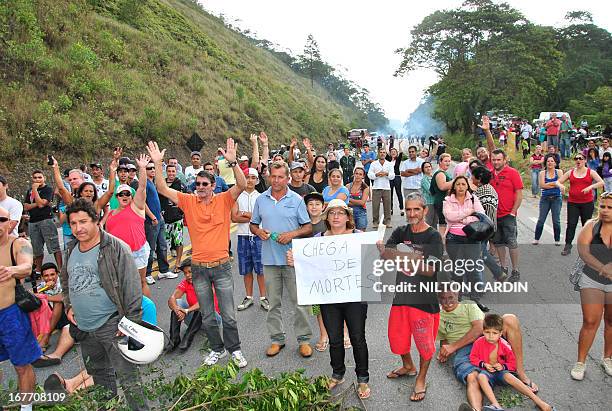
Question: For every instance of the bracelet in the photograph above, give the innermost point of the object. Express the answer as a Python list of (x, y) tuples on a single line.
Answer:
[(232, 164)]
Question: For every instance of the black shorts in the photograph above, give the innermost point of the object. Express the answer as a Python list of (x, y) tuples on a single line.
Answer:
[(440, 213)]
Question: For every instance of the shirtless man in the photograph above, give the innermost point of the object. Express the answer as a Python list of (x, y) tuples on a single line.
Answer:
[(17, 342)]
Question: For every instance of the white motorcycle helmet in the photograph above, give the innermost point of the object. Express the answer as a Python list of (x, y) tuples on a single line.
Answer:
[(143, 343)]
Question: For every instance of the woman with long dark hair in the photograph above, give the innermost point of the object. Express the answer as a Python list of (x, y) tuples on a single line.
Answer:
[(605, 171), (318, 173), (551, 199), (396, 159), (359, 192)]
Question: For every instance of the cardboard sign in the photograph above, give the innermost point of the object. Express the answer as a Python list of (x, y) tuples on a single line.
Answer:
[(328, 269)]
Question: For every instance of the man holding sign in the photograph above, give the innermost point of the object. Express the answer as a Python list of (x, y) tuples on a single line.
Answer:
[(415, 313), (278, 217)]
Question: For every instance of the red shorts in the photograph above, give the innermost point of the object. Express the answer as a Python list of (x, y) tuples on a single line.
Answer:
[(408, 322)]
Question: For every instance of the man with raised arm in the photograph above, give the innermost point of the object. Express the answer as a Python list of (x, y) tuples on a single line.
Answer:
[(209, 220)]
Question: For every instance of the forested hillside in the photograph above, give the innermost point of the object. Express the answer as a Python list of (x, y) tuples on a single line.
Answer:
[(82, 76)]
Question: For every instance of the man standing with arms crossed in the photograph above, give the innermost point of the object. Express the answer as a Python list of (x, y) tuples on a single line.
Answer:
[(209, 220), (278, 217), (17, 342), (380, 174)]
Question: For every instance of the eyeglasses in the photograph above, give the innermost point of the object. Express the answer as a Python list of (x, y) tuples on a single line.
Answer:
[(3, 219), (336, 213), (202, 184), (124, 194)]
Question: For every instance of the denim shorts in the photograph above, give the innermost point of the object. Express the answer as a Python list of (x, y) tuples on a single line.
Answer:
[(141, 256), (360, 215), (587, 282), (462, 367), (495, 378), (249, 255), (506, 233)]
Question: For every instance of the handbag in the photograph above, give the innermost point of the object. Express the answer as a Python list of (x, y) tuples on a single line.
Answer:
[(24, 299), (481, 230)]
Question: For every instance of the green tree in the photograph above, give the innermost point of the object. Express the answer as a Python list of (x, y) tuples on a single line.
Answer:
[(596, 108), (310, 61)]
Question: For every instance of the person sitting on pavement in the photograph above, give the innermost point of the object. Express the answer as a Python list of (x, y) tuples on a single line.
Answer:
[(496, 361), (179, 314), (460, 325)]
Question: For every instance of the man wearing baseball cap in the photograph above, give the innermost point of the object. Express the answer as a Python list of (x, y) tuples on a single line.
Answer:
[(297, 183), (99, 181)]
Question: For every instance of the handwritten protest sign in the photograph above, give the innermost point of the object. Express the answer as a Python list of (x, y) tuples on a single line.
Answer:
[(328, 269)]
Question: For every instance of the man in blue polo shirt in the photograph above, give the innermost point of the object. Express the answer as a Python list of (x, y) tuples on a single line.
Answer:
[(155, 231), (279, 216)]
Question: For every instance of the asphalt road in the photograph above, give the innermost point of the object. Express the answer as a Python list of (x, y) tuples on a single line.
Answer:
[(550, 315)]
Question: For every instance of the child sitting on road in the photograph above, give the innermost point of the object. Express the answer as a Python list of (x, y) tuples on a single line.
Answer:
[(496, 360)]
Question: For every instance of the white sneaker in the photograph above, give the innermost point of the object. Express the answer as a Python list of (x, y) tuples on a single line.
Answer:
[(150, 280), (535, 242), (607, 364), (167, 274), (239, 359), (577, 372), (214, 356)]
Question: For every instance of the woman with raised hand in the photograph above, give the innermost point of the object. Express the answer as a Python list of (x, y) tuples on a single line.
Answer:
[(338, 218)]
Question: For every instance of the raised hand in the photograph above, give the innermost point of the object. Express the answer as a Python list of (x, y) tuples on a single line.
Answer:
[(293, 142), (230, 151), (263, 137), (143, 160), (154, 152), (55, 163), (117, 153), (307, 143), (485, 123), (253, 138)]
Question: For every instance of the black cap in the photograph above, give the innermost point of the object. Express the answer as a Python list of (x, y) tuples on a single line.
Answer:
[(314, 196), (92, 165), (185, 263)]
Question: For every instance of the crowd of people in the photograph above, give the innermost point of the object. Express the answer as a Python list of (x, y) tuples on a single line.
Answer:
[(116, 230)]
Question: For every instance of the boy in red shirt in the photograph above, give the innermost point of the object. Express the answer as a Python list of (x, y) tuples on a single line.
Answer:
[(496, 361)]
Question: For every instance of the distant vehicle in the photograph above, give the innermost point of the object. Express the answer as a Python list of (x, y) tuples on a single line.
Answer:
[(545, 115), (356, 136)]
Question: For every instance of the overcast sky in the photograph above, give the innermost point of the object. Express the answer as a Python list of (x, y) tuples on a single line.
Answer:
[(361, 36)]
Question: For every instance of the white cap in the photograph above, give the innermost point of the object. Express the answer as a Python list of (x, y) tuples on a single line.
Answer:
[(244, 158), (253, 172)]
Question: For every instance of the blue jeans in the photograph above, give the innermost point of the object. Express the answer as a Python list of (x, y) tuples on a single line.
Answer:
[(156, 237), (461, 248), (360, 215), (535, 181), (565, 145), (490, 262), (220, 277), (462, 367), (552, 204)]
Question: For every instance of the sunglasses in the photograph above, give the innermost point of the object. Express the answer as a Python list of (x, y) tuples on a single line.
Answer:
[(124, 194), (578, 158), (150, 168), (122, 169), (202, 184), (3, 219)]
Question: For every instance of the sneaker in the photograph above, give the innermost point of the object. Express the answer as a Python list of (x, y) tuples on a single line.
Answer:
[(567, 249), (535, 242), (577, 372), (264, 303), (607, 364), (167, 274), (213, 357), (557, 243), (246, 303), (239, 359), (150, 280), (503, 275), (515, 276)]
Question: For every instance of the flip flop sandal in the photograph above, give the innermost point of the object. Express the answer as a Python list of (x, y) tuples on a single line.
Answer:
[(55, 383), (363, 394), (534, 389), (415, 393), (322, 345), (333, 383), (176, 270), (396, 374), (46, 361)]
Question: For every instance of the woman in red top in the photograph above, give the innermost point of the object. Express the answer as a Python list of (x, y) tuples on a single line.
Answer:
[(580, 201), (127, 221), (535, 163)]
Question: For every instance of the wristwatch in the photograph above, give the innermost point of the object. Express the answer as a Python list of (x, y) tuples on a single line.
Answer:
[(232, 164)]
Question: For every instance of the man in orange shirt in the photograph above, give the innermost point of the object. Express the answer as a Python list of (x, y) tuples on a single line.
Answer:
[(208, 217)]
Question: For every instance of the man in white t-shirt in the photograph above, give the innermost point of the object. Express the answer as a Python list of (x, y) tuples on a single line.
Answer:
[(194, 168), (249, 245), (410, 170), (14, 207), (99, 181)]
